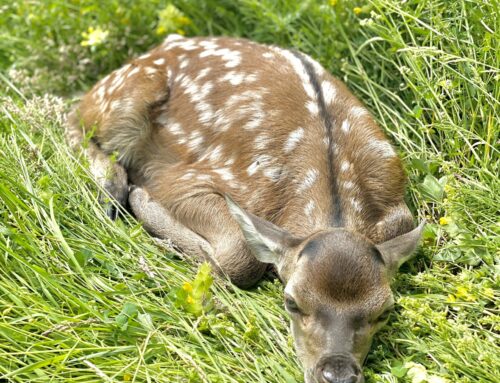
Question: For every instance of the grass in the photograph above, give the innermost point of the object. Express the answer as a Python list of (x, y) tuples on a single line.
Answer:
[(84, 299)]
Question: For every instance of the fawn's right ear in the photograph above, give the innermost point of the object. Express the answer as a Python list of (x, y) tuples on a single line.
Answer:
[(267, 241)]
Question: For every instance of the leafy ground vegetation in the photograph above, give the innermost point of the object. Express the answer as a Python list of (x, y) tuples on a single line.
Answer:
[(85, 299)]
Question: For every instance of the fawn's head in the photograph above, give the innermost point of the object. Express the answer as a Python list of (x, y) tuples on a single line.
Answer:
[(337, 290)]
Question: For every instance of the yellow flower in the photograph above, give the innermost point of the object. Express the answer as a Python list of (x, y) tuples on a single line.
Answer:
[(464, 294), (333, 3), (489, 293), (357, 10), (186, 286), (444, 220), (171, 19), (189, 299), (94, 36)]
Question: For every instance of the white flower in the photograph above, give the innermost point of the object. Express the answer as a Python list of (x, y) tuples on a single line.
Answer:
[(416, 372)]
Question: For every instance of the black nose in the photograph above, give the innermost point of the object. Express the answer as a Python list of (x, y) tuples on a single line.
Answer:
[(338, 368)]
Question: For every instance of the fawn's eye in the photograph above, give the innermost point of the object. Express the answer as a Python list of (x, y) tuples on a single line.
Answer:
[(291, 305)]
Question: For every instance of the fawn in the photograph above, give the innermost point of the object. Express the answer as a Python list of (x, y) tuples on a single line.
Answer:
[(244, 155)]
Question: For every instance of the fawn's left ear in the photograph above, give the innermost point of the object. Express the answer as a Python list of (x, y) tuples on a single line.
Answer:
[(398, 250), (267, 241)]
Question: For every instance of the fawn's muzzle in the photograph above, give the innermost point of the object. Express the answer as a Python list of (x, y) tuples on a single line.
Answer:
[(338, 368)]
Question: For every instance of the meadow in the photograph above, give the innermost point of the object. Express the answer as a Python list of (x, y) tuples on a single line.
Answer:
[(87, 299)]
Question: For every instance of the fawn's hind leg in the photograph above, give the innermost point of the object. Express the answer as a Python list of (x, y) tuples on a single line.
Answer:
[(118, 109), (194, 215), (109, 174)]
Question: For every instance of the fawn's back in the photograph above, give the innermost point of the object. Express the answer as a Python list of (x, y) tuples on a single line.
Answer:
[(266, 125)]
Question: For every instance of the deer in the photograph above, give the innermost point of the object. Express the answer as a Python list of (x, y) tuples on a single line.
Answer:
[(249, 155)]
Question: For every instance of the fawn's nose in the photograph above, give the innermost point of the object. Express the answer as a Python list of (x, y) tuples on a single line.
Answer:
[(338, 368)]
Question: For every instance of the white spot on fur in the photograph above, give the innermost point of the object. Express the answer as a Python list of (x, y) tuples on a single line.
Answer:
[(345, 126), (100, 93), (239, 106), (273, 173), (195, 140), (259, 162), (348, 185), (133, 72), (225, 174), (309, 208), (233, 78), (236, 185), (103, 106), (335, 148), (345, 166), (309, 180), (173, 37), (189, 174), (256, 119), (329, 92), (106, 79), (252, 168), (117, 82), (312, 107), (316, 65), (184, 63), (207, 44), (249, 78), (268, 55), (215, 155), (122, 104), (202, 73), (358, 111), (299, 68), (145, 56), (159, 61), (355, 204), (176, 129), (150, 70), (293, 139), (185, 44), (197, 95), (232, 58)]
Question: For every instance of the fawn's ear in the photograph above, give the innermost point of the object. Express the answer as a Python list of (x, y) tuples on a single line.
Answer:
[(267, 241), (398, 250)]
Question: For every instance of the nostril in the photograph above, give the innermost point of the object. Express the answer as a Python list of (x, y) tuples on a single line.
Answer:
[(329, 376), (338, 368)]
